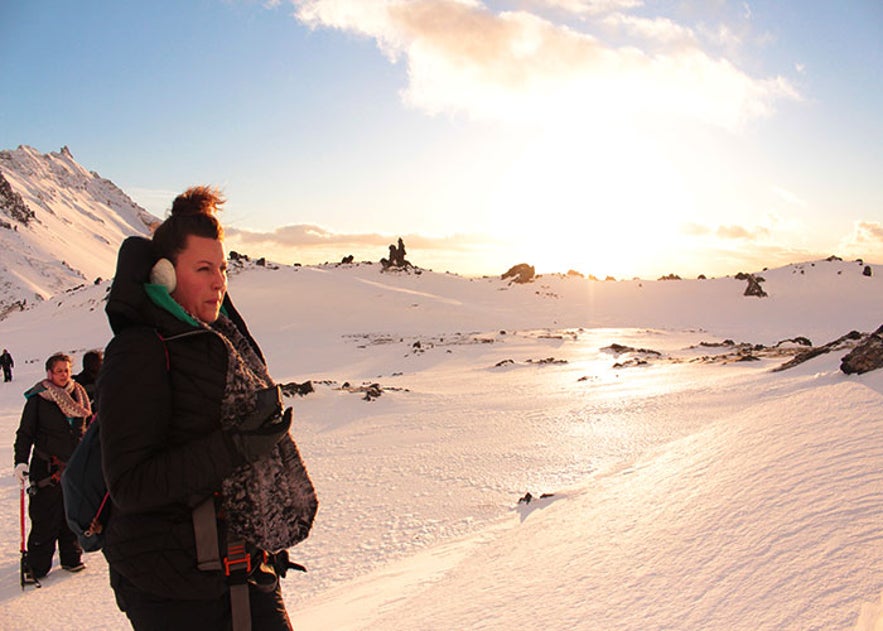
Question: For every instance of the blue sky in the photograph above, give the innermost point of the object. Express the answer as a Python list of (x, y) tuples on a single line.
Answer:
[(614, 137)]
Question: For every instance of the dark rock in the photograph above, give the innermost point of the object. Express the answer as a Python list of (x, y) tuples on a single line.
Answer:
[(13, 205), (619, 349), (866, 356), (844, 341), (521, 273), (867, 270), (800, 341), (300, 389), (372, 392), (726, 342), (396, 260), (754, 288)]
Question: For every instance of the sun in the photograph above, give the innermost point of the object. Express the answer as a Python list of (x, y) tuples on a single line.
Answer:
[(600, 204)]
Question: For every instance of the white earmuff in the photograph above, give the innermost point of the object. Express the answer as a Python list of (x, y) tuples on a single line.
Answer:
[(163, 273)]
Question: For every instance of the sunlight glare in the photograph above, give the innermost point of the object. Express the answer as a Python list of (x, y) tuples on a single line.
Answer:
[(598, 202)]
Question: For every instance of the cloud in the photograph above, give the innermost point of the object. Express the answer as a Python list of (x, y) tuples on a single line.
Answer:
[(589, 7), (695, 230), (650, 30), (741, 232), (789, 197), (311, 244), (464, 58), (865, 240), (305, 235), (726, 233)]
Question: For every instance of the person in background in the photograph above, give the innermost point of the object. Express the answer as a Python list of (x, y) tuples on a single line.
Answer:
[(191, 424), (8, 364), (87, 377), (52, 424)]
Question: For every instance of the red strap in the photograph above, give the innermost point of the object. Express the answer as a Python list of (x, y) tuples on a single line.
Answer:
[(165, 349), (95, 526)]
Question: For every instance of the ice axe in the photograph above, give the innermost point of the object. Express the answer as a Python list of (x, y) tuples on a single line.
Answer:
[(27, 575)]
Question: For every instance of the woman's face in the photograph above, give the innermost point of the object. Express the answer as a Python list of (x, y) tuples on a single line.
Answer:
[(201, 272), (59, 374)]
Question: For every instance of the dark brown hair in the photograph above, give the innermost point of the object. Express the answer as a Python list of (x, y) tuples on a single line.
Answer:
[(92, 361), (193, 213), (57, 358)]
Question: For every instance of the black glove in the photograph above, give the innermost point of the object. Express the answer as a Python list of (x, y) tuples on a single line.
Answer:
[(262, 429)]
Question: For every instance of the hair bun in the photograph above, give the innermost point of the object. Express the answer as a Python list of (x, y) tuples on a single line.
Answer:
[(198, 200)]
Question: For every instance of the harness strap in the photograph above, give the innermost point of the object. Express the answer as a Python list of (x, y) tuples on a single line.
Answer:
[(236, 564), (205, 528), (52, 478), (240, 606), (237, 567)]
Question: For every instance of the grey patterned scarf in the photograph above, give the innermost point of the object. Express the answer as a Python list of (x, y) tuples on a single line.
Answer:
[(72, 399), (270, 502)]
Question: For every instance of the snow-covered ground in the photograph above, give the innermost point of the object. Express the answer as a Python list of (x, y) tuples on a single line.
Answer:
[(690, 492)]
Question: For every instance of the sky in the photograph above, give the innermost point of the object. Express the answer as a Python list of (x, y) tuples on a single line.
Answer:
[(612, 137)]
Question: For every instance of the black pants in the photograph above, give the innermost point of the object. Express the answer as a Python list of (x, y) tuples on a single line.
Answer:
[(7, 374), (48, 525), (147, 612)]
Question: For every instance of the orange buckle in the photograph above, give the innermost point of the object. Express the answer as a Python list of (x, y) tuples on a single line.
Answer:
[(237, 559)]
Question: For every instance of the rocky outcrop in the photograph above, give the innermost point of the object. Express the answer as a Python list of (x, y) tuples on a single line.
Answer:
[(866, 356), (521, 273), (297, 389), (754, 288), (842, 342), (12, 205)]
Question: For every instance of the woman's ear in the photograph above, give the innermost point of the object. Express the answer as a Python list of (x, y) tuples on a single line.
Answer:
[(163, 273)]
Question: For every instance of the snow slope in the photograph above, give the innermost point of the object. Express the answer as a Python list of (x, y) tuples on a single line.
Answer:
[(69, 229), (687, 493)]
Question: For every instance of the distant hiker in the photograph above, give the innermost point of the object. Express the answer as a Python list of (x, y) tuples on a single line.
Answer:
[(208, 487), (52, 422), (87, 377), (7, 364)]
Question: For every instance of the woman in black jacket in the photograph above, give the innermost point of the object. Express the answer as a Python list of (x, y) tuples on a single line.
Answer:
[(205, 480), (52, 423)]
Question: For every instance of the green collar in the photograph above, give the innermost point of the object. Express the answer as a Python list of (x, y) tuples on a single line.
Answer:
[(160, 296)]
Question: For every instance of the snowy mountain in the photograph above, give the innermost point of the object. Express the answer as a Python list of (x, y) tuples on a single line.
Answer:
[(60, 225)]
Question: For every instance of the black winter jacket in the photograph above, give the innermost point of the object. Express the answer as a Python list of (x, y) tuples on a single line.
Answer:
[(163, 449), (45, 427)]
